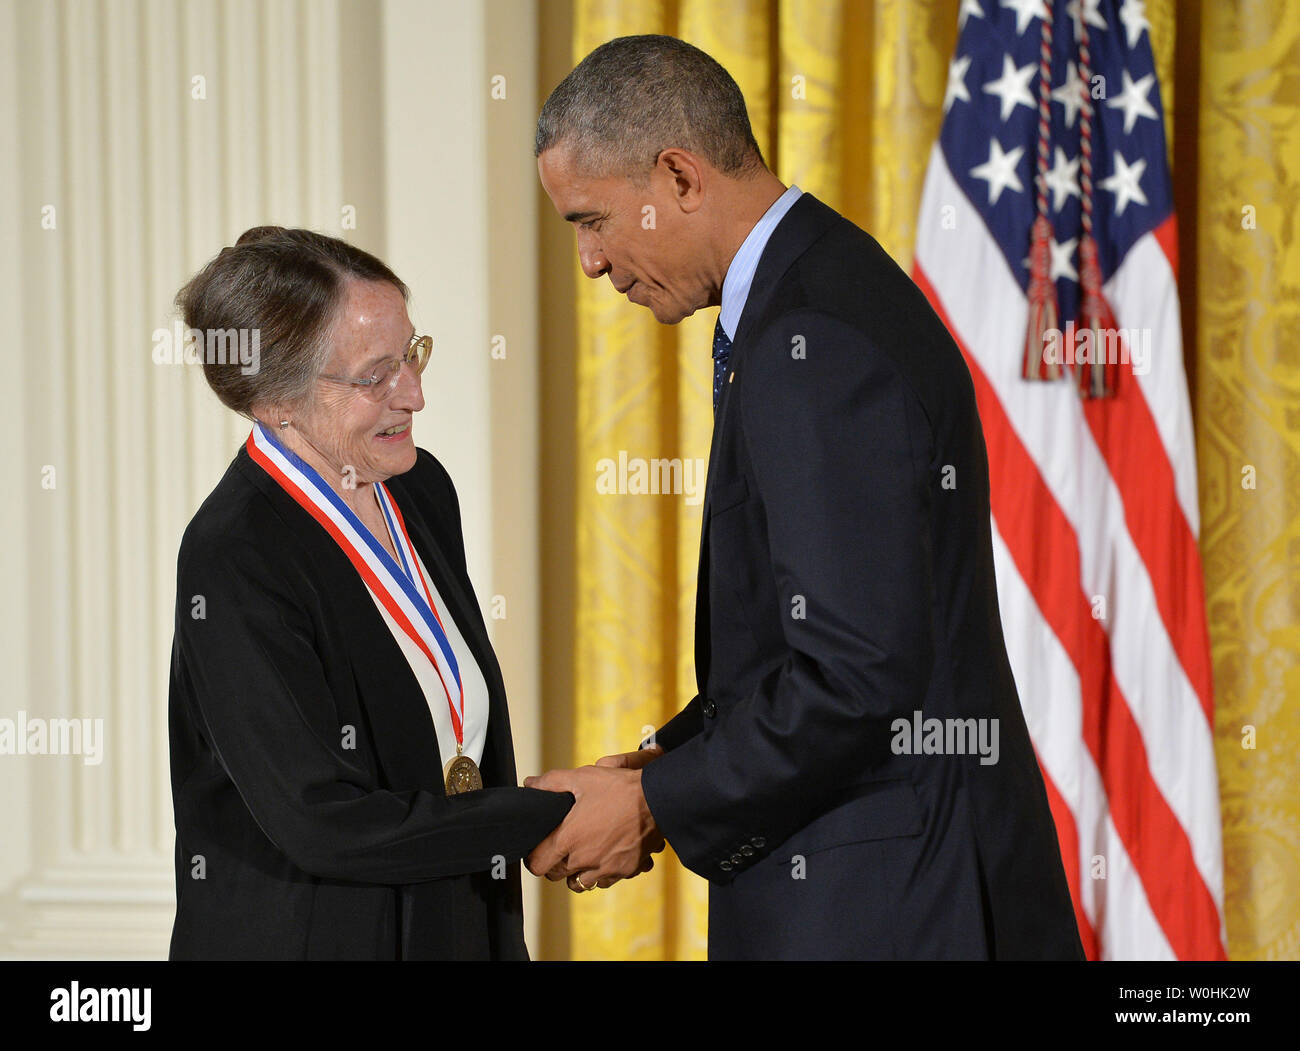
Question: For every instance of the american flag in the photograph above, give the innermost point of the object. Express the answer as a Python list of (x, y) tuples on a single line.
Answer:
[(1053, 137)]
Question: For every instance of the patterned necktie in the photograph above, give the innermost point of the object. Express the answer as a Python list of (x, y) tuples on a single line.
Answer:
[(721, 356)]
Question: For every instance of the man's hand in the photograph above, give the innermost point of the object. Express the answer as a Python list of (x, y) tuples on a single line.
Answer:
[(609, 834), (632, 760)]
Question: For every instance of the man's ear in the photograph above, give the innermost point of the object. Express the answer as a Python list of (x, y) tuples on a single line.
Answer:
[(687, 173)]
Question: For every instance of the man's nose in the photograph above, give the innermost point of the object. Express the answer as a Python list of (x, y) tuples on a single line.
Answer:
[(594, 263)]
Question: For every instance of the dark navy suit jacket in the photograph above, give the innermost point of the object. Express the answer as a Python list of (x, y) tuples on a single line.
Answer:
[(846, 581)]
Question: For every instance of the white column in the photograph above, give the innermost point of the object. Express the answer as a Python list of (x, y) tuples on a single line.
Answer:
[(436, 205), (149, 172), (159, 130), (514, 380), (461, 230)]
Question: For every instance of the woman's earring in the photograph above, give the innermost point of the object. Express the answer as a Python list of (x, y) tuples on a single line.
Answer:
[(284, 424)]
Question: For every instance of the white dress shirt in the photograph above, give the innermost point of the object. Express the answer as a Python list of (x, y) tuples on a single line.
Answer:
[(740, 274), (476, 693)]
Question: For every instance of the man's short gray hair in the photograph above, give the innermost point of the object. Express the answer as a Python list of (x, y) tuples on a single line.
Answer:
[(636, 96)]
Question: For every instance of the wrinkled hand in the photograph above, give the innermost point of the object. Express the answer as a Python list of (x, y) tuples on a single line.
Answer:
[(608, 835)]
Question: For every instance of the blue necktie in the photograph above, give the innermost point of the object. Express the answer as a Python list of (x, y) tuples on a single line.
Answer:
[(721, 355)]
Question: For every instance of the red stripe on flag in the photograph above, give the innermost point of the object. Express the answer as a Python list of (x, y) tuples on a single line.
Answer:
[(1166, 235), (1045, 549), (1068, 833), (1126, 434)]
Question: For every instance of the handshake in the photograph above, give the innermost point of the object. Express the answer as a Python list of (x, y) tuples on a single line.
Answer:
[(609, 834)]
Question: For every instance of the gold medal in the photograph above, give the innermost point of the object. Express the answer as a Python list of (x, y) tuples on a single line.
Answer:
[(462, 776)]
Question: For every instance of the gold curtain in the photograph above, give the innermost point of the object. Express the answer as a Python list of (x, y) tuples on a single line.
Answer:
[(1248, 416), (846, 100)]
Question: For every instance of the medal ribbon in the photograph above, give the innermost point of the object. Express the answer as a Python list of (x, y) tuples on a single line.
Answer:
[(393, 584)]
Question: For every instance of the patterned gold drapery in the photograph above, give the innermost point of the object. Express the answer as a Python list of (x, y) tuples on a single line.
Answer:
[(846, 99), (1247, 409)]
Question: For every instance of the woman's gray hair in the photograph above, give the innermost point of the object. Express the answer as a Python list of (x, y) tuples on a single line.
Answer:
[(287, 287), (636, 96)]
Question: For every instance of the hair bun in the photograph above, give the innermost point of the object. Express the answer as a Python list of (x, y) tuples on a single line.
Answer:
[(257, 233)]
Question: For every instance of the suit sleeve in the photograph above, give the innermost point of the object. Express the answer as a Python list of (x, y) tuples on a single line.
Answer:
[(679, 729), (838, 446), (256, 689)]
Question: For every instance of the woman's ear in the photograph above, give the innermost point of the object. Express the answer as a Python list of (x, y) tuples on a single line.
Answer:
[(270, 416)]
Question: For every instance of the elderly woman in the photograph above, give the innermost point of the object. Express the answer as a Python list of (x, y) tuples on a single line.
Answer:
[(342, 769)]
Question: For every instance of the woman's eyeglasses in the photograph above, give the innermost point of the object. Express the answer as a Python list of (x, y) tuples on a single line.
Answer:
[(383, 381)]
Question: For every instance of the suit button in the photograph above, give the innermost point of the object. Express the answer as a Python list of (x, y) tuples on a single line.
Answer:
[(736, 859), (759, 842), (725, 866), (747, 850), (709, 709)]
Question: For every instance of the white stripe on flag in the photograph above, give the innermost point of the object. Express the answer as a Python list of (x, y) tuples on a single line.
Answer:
[(1048, 419), (1143, 295), (1049, 689)]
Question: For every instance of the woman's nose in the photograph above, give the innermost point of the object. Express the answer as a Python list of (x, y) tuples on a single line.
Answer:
[(409, 393)]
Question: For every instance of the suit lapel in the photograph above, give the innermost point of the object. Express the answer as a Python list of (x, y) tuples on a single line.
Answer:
[(803, 224)]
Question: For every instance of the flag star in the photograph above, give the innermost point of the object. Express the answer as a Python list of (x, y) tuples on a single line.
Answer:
[(956, 82), (1063, 180), (1013, 86), (1026, 11), (1062, 259), (1134, 16), (1133, 100), (1090, 14), (1070, 94), (1000, 170), (968, 8), (1124, 184)]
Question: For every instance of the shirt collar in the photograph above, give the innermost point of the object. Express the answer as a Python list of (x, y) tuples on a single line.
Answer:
[(740, 274)]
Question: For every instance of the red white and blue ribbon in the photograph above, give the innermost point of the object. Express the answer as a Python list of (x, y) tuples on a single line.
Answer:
[(400, 587)]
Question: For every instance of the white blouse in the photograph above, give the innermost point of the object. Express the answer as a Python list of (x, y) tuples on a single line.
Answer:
[(471, 676)]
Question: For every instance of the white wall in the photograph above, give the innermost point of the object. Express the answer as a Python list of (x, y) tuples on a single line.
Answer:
[(307, 107)]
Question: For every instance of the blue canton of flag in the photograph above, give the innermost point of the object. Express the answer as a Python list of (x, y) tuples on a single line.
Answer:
[(990, 130)]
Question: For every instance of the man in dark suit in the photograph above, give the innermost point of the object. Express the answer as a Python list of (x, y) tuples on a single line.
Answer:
[(854, 778)]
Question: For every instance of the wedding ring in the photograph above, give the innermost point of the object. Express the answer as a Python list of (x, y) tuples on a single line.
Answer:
[(583, 885)]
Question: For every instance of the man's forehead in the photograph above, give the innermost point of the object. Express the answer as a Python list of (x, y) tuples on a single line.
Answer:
[(573, 191), (558, 161)]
